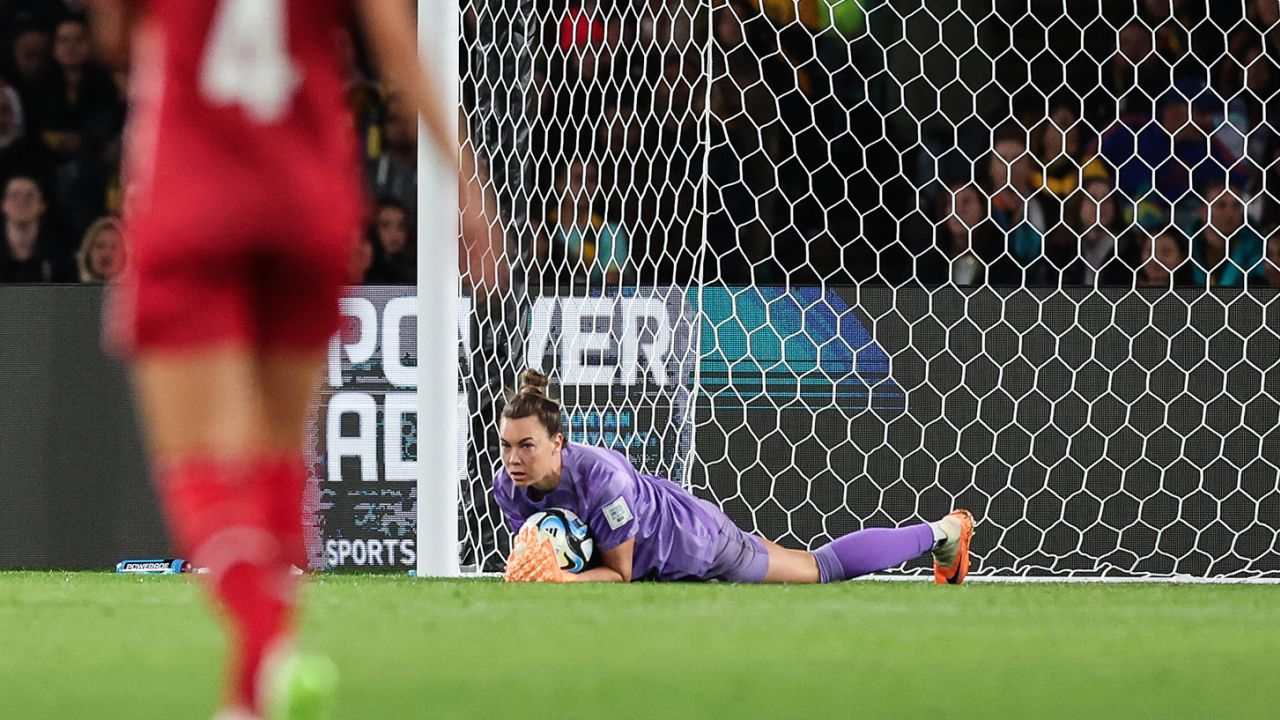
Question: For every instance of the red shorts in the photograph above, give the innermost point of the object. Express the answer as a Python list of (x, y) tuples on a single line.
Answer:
[(274, 286)]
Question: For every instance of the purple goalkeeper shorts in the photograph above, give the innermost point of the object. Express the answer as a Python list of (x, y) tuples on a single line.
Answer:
[(740, 556)]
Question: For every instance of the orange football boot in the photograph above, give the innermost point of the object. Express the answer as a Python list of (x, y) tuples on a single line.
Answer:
[(951, 560)]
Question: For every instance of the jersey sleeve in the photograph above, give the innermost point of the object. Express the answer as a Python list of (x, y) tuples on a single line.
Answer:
[(611, 516)]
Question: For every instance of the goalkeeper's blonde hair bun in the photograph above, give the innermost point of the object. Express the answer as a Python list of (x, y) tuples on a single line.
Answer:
[(532, 400), (534, 382)]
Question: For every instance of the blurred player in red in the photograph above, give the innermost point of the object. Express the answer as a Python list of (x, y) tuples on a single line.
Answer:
[(243, 198)]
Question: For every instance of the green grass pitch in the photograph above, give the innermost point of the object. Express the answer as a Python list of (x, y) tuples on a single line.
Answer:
[(93, 645)]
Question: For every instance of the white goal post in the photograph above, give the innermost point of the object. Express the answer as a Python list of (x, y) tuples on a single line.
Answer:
[(438, 303)]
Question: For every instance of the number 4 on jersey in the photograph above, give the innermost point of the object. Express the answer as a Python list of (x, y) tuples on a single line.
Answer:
[(246, 62)]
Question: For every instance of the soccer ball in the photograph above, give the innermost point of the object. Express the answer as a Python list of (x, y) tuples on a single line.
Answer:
[(569, 536)]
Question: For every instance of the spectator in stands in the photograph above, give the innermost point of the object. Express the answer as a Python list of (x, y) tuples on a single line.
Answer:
[(581, 26), (618, 143), (1236, 127), (1226, 250), (76, 114), (105, 131), (1262, 85), (1264, 17), (1250, 79), (1165, 267), (675, 199), (739, 243), (395, 247), (966, 240), (18, 154), (1273, 260), (1179, 26), (1132, 75), (362, 256), (11, 123), (364, 97), (1169, 157), (587, 79), (30, 56), (393, 170), (1059, 149), (1016, 206), (29, 254), (102, 255), (1230, 120), (73, 90), (843, 47), (592, 247), (1171, 37), (1097, 249)]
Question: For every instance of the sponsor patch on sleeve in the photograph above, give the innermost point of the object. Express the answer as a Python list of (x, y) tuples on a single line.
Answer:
[(617, 513)]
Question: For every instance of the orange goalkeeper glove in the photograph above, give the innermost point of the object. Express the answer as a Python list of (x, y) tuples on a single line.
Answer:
[(533, 559)]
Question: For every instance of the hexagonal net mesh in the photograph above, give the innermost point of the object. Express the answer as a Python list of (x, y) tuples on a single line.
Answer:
[(835, 264)]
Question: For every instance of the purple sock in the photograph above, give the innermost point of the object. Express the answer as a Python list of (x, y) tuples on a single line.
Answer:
[(867, 551)]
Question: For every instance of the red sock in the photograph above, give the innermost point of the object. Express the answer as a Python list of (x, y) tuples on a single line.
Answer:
[(220, 514), (259, 602)]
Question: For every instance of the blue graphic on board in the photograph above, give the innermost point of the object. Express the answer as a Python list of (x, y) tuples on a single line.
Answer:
[(796, 347)]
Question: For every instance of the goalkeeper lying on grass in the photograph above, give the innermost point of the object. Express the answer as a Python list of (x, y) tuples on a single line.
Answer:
[(649, 528)]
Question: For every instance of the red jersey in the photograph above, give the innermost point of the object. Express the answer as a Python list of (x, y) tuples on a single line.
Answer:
[(238, 105), (240, 171)]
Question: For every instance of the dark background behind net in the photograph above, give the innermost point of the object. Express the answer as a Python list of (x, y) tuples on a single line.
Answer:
[(1115, 432)]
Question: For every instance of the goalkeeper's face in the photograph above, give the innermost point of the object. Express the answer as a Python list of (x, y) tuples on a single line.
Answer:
[(531, 455)]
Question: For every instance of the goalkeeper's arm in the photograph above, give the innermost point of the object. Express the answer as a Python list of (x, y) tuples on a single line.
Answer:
[(615, 565)]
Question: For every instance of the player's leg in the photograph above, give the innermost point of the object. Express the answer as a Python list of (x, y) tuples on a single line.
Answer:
[(875, 549), (292, 685), (849, 556), (205, 424), (199, 402), (754, 559), (872, 550), (742, 557), (288, 380), (790, 566), (295, 314)]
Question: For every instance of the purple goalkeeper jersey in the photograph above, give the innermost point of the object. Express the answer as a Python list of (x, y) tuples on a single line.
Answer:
[(676, 534)]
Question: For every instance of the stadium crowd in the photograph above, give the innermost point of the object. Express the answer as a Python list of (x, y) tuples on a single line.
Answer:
[(872, 142), (61, 120), (847, 143)]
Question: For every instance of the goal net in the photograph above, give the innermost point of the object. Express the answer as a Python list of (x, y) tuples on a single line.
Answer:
[(837, 264)]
